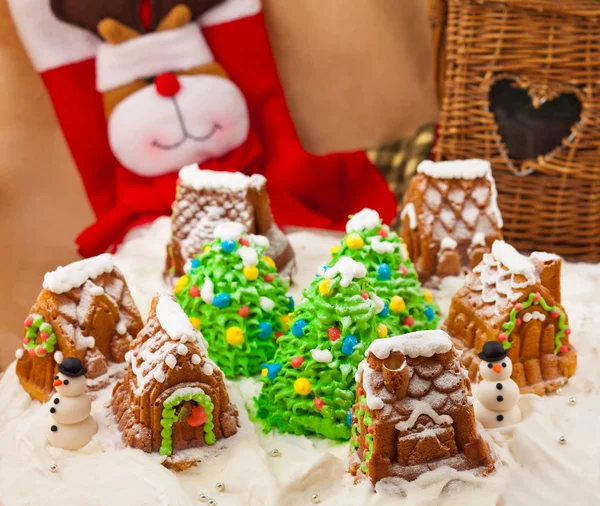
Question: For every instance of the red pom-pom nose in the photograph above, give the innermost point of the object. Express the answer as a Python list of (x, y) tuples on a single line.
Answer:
[(167, 85)]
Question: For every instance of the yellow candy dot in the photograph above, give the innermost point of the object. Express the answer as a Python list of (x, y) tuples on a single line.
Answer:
[(285, 321), (354, 241), (428, 295), (206, 248), (325, 287), (196, 322), (405, 251), (382, 330), (264, 371), (269, 260), (335, 249), (397, 304), (251, 273), (181, 283), (302, 386), (234, 336)]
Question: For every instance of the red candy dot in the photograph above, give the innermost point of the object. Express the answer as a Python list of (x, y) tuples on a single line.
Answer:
[(537, 297), (43, 336), (567, 332), (518, 306), (31, 351), (319, 403), (297, 362), (555, 314), (563, 349), (40, 350), (278, 335), (518, 322), (403, 270), (502, 337), (194, 291), (244, 241), (364, 295), (383, 232), (244, 311), (29, 321), (370, 429), (409, 321), (360, 391), (269, 278), (25, 340), (334, 333)]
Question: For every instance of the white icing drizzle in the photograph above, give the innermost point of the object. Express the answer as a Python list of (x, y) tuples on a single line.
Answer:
[(96, 291), (159, 375), (121, 328), (249, 256), (196, 359), (266, 304), (260, 241), (173, 320), (478, 239), (209, 367), (76, 274), (363, 220), (349, 269), (534, 315), (409, 210), (493, 203), (229, 231), (58, 356), (425, 343), (423, 408), (323, 356), (364, 374), (19, 353), (379, 304), (207, 292), (455, 169), (448, 243), (171, 361), (380, 246), (129, 356), (182, 349)]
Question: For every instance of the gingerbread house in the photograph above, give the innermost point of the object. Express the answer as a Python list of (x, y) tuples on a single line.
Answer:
[(205, 199), (173, 397), (515, 300), (450, 216), (413, 410), (85, 311)]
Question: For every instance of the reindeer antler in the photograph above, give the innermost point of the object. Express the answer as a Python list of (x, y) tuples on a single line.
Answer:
[(88, 14)]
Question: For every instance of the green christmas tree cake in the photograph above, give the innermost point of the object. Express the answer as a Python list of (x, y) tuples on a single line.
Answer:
[(408, 308), (309, 385), (232, 292)]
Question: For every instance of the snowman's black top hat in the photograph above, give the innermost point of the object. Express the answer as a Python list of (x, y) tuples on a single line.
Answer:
[(493, 351), (72, 367)]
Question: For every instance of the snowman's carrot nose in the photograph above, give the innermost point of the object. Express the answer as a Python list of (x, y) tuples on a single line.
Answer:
[(57, 383), (497, 368)]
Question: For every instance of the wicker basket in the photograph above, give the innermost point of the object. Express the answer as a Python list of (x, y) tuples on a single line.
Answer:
[(545, 154)]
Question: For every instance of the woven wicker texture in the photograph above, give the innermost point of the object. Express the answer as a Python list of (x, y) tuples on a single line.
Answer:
[(550, 200)]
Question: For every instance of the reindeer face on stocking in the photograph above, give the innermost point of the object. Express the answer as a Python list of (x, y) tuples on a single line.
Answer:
[(167, 103)]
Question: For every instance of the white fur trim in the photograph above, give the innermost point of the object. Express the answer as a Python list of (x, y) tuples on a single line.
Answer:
[(230, 10), (150, 55)]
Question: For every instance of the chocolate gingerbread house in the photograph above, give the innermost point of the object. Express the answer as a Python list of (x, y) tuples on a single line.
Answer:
[(85, 311), (515, 300), (450, 216), (172, 397), (205, 199), (413, 410)]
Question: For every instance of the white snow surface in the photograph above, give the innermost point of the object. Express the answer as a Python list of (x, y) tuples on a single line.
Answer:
[(76, 274)]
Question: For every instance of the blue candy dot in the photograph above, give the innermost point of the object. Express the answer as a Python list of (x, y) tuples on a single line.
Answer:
[(429, 313), (350, 342), (384, 272), (298, 327), (227, 246), (349, 418), (265, 330), (222, 300), (291, 303), (195, 263), (385, 311), (272, 370)]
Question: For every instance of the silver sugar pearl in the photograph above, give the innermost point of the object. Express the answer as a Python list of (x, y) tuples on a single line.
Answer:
[(220, 486), (203, 497), (314, 498), (275, 453), (559, 391), (53, 468), (212, 502), (562, 440), (573, 401)]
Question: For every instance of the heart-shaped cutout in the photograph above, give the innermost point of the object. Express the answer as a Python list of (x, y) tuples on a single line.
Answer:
[(528, 131)]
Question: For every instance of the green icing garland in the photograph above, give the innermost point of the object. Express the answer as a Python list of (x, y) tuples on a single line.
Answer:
[(362, 415), (403, 281), (537, 299), (33, 324), (169, 417), (226, 271), (307, 397)]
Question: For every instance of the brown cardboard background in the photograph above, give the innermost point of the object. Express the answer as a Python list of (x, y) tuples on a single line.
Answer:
[(356, 74)]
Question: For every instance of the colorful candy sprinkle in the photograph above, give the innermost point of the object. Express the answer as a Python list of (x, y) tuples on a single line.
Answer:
[(354, 241), (195, 263), (563, 349), (195, 292), (271, 370), (196, 322), (350, 341), (227, 246), (385, 311), (384, 272), (251, 273), (502, 337), (383, 232), (409, 321), (244, 311), (364, 294), (334, 333), (28, 321), (397, 304), (222, 300), (291, 303), (429, 313), (349, 418), (298, 327), (234, 336), (403, 270), (180, 285), (382, 330), (325, 287), (428, 296), (302, 386), (334, 249), (244, 241), (265, 330), (297, 362), (269, 278), (319, 403), (269, 260)]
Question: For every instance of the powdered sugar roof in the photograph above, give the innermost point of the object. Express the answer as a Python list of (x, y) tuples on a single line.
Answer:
[(425, 343), (455, 169), (193, 177), (229, 231), (76, 274), (173, 320), (513, 260), (349, 269), (363, 220)]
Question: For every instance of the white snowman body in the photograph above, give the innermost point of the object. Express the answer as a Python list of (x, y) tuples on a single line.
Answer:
[(70, 426), (497, 394)]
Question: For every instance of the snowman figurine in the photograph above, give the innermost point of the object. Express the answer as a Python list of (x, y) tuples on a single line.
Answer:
[(497, 394), (71, 427)]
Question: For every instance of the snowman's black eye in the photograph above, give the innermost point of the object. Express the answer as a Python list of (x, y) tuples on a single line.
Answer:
[(503, 364), (490, 366), (66, 382)]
